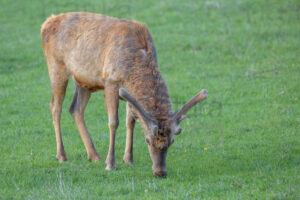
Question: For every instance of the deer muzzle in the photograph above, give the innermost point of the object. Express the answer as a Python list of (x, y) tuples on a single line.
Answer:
[(159, 167)]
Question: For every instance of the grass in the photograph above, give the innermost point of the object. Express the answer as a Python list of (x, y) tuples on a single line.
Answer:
[(245, 53)]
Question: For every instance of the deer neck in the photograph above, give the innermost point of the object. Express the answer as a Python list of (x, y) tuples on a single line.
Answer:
[(150, 90)]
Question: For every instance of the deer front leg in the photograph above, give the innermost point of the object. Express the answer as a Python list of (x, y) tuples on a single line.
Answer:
[(80, 100), (111, 95), (130, 122)]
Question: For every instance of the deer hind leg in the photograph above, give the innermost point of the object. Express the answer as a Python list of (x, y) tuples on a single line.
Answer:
[(59, 81), (79, 102), (111, 95), (130, 122)]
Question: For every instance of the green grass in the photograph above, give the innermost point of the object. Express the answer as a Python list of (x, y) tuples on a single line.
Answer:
[(245, 53)]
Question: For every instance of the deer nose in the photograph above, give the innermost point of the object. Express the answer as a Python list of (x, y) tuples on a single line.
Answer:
[(160, 173)]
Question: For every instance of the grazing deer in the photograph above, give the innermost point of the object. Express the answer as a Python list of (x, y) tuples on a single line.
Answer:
[(119, 57)]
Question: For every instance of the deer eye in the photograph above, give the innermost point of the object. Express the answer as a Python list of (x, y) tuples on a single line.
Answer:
[(147, 141), (172, 141)]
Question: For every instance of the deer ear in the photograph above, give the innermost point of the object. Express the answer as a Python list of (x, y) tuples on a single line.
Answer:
[(174, 128)]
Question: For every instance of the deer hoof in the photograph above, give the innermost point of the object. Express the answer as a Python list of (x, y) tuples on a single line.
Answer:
[(110, 166), (128, 159), (61, 157), (129, 162), (94, 158)]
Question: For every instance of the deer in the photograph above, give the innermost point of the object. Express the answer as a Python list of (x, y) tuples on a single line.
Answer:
[(118, 57)]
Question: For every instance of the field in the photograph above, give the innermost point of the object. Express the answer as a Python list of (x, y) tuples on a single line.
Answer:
[(243, 142)]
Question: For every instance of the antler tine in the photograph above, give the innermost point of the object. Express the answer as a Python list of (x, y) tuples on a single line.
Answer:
[(180, 114), (151, 123)]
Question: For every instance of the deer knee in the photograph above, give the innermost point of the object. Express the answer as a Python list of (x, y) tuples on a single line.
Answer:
[(54, 107), (51, 104), (113, 123)]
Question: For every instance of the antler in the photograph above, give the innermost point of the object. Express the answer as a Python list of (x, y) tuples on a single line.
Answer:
[(152, 124), (180, 114)]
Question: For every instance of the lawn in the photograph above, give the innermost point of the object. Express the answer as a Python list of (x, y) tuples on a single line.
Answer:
[(243, 142)]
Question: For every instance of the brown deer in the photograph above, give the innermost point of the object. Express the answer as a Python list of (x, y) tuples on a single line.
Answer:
[(119, 57)]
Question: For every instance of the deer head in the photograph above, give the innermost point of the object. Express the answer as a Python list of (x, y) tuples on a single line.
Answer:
[(160, 134)]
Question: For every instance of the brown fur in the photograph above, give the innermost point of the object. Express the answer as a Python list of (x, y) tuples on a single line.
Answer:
[(105, 53)]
